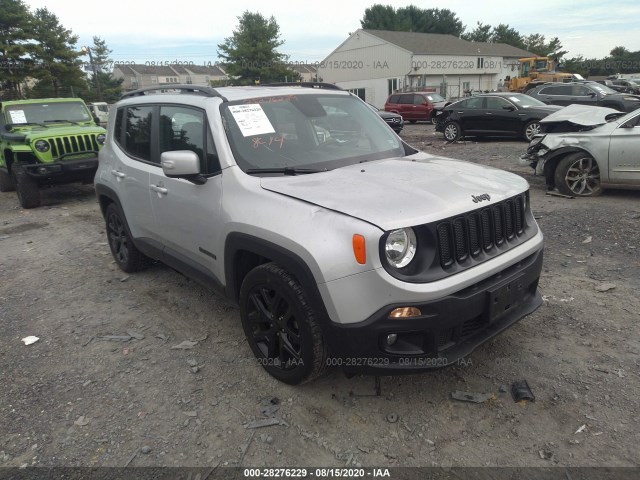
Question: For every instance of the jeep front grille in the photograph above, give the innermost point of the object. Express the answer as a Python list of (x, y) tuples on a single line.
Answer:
[(468, 235), (71, 144)]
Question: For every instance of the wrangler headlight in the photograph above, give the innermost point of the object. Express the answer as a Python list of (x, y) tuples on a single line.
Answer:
[(42, 146), (400, 247), (101, 138)]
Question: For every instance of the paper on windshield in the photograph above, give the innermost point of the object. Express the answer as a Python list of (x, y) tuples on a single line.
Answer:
[(17, 116), (251, 119)]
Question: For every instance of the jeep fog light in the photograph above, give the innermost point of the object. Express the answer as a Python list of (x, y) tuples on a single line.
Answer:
[(405, 312), (400, 247), (42, 146)]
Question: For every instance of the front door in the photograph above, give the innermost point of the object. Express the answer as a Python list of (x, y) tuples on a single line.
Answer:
[(624, 155)]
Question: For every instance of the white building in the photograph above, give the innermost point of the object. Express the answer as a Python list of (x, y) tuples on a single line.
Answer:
[(375, 63)]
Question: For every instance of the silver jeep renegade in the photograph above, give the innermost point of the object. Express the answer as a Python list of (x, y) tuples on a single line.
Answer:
[(341, 244)]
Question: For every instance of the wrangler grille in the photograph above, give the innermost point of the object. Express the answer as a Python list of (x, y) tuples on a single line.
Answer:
[(72, 144), (491, 227)]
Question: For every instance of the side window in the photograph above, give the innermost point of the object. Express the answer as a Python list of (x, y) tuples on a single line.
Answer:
[(184, 128), (494, 103), (406, 99), (556, 90), (474, 102), (117, 130), (580, 91), (393, 99), (418, 100), (137, 142)]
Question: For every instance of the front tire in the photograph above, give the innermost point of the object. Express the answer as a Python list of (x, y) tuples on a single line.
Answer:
[(282, 329), (531, 129), (7, 183), (124, 252), (578, 175), (26, 188), (451, 131)]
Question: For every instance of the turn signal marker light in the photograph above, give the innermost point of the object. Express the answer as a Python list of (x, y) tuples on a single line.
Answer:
[(359, 249)]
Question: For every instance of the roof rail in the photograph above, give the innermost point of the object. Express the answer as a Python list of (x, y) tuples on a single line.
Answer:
[(322, 85), (179, 88)]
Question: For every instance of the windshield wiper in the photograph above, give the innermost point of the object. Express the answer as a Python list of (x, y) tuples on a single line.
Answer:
[(285, 170), (61, 121)]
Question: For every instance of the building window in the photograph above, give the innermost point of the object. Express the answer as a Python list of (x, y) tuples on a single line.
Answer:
[(189, 81), (359, 92), (154, 80), (134, 81), (393, 85)]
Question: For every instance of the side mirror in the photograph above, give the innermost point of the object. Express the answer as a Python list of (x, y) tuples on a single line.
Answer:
[(182, 164), (592, 94), (510, 108), (96, 120)]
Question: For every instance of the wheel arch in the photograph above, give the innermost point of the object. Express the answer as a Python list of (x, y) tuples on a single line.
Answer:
[(551, 162), (243, 252)]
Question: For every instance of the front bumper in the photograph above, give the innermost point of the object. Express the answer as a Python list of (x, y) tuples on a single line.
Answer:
[(66, 171), (449, 328)]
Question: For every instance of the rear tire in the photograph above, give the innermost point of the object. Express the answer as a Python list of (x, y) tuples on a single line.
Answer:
[(451, 131), (282, 329), (124, 252), (26, 188), (7, 183), (578, 175)]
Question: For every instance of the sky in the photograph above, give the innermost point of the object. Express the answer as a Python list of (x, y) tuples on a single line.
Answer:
[(162, 31)]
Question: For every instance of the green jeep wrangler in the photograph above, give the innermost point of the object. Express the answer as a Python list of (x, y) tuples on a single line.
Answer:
[(46, 142)]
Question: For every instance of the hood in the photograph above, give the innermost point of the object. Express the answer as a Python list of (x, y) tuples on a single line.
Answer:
[(384, 114), (440, 105), (58, 130), (585, 115), (401, 192)]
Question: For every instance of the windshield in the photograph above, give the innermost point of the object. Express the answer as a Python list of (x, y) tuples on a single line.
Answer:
[(525, 101), (603, 89), (47, 113), (434, 97), (306, 131)]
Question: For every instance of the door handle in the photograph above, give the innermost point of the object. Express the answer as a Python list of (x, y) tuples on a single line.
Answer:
[(488, 113), (158, 189), (460, 113), (118, 174)]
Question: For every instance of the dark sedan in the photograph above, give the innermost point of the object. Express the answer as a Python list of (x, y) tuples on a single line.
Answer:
[(393, 119), (501, 114)]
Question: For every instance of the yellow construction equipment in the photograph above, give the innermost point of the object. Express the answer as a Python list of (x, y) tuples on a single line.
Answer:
[(538, 69)]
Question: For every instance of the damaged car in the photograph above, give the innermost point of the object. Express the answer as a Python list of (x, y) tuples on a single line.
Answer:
[(584, 150)]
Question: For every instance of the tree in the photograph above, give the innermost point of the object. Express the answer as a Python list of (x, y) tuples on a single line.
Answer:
[(57, 66), (505, 34), (482, 33), (412, 19), (105, 87), (536, 43), (15, 46), (379, 17), (250, 53)]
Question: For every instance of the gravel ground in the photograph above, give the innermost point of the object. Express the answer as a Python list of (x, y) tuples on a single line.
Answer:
[(78, 397)]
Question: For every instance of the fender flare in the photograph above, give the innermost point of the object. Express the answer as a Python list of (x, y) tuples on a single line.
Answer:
[(236, 242), (552, 159)]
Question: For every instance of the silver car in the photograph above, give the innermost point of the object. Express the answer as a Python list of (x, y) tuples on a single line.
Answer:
[(341, 244), (587, 149)]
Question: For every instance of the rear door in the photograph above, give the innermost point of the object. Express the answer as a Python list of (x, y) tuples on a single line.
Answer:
[(555, 95), (131, 167), (421, 107), (470, 114)]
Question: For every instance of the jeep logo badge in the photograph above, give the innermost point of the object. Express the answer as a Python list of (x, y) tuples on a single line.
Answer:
[(480, 198)]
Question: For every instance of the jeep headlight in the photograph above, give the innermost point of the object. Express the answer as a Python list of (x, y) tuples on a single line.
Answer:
[(42, 146), (101, 138), (400, 247)]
